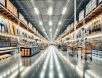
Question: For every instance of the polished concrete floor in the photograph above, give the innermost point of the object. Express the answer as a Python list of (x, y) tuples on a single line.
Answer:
[(50, 63)]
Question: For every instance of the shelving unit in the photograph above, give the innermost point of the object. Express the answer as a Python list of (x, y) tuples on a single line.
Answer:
[(6, 13), (93, 14), (88, 24)]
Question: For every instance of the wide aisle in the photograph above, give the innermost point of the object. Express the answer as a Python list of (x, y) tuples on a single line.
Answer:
[(48, 63), (54, 66)]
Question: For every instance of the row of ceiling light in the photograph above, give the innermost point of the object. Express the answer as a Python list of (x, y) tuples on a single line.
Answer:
[(50, 12)]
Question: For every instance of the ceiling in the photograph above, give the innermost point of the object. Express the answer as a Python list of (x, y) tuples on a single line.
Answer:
[(50, 17)]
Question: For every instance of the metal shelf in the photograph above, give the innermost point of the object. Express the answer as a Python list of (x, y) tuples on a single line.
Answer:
[(6, 13), (93, 14)]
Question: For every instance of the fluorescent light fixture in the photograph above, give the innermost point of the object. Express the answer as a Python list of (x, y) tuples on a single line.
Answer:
[(43, 29), (36, 10), (50, 11), (50, 23), (50, 30), (57, 30), (59, 23), (41, 23), (64, 10)]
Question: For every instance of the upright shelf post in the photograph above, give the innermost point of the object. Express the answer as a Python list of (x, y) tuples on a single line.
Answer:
[(74, 18)]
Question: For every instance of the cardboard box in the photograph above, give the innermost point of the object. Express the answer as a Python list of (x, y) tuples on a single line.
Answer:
[(93, 4), (21, 17), (99, 1), (81, 15), (2, 2), (23, 52), (14, 29), (90, 6), (30, 25), (11, 7)]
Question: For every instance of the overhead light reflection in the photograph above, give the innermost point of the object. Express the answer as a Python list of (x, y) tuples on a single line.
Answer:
[(36, 10), (42, 74), (60, 74)]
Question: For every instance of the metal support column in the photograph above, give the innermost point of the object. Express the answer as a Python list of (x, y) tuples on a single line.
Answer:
[(74, 18)]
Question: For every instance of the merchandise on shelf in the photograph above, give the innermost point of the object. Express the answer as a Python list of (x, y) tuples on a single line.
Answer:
[(30, 25), (93, 4), (95, 27), (79, 34), (90, 6), (81, 15), (12, 28), (11, 7), (2, 2), (3, 26), (97, 50), (99, 1), (18, 32), (24, 34), (21, 17), (34, 29), (13, 42), (92, 28), (27, 52), (4, 41)]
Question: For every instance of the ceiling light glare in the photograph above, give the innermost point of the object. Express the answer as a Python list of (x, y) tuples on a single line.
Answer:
[(43, 29), (50, 23), (50, 30), (64, 10), (50, 11), (56, 30), (36, 11), (60, 23), (41, 23)]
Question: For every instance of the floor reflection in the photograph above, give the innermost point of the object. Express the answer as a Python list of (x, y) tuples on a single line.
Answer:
[(50, 63)]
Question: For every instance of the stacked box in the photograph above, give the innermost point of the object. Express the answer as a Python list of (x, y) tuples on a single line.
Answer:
[(99, 1), (13, 42), (93, 4), (81, 15), (27, 52), (90, 6), (2, 2), (67, 28), (3, 25), (11, 7), (21, 17), (30, 25), (11, 27), (71, 26), (15, 11), (34, 29), (24, 20)]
